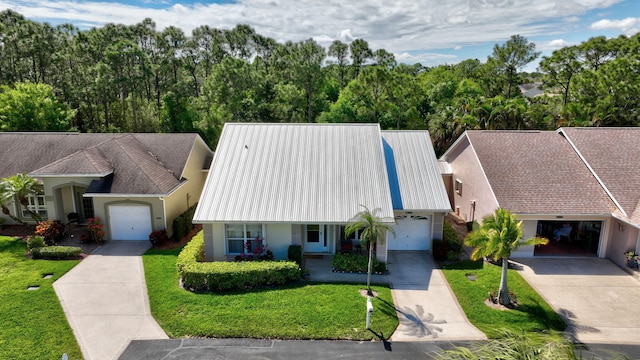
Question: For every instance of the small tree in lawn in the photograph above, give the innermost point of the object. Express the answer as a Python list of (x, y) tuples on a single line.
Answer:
[(372, 230), (497, 237)]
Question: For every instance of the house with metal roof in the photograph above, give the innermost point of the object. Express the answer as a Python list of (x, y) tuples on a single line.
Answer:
[(135, 183), (299, 184), (582, 180)]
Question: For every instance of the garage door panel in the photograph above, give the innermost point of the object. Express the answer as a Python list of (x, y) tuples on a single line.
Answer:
[(130, 222), (411, 234)]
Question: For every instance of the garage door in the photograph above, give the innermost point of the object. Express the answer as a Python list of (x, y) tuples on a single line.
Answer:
[(412, 233), (130, 222)]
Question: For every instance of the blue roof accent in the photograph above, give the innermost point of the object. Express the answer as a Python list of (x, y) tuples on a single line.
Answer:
[(392, 173)]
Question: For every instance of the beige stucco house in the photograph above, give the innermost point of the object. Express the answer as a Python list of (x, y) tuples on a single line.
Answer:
[(580, 179), (134, 183), (299, 184)]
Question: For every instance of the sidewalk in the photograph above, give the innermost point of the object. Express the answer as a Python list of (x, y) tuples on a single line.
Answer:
[(105, 300)]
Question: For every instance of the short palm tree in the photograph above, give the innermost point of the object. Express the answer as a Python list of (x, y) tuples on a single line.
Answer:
[(22, 186), (372, 230), (497, 237), (6, 197)]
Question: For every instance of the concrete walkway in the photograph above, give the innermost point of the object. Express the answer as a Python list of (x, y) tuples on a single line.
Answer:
[(105, 300), (426, 306), (597, 299), (427, 309)]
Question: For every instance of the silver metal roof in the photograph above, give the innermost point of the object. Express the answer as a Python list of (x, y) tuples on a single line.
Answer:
[(418, 171), (296, 173)]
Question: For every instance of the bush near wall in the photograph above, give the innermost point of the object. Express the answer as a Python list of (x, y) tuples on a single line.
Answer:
[(450, 247), (56, 252), (348, 262), (183, 224), (219, 276)]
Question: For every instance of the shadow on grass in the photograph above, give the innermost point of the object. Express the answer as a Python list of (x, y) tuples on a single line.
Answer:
[(547, 319), (464, 265)]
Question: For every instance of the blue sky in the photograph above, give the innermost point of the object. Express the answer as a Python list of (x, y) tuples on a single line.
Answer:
[(431, 32)]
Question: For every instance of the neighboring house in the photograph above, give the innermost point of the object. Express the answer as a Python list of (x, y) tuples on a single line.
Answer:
[(582, 179), (135, 183), (301, 183), (531, 90)]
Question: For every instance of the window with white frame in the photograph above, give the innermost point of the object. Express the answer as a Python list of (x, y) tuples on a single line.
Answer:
[(245, 238), (458, 187), (37, 205)]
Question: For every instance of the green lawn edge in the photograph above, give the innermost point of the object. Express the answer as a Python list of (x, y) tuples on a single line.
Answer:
[(304, 310), (33, 324), (533, 314)]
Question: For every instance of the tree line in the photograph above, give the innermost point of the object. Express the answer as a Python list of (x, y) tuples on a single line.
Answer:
[(121, 78)]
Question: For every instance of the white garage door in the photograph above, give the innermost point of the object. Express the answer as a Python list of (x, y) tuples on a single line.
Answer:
[(412, 233), (130, 222)]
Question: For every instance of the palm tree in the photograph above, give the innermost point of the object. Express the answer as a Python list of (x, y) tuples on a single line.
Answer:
[(372, 230), (22, 186), (497, 237), (5, 197)]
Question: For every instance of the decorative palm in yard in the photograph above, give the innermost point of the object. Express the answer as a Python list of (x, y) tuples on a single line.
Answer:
[(372, 230), (497, 237), (22, 186), (5, 198)]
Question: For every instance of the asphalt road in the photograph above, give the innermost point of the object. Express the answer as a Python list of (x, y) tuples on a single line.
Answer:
[(231, 349)]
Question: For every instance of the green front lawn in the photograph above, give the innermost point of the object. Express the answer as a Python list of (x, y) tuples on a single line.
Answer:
[(534, 314), (32, 322), (296, 311)]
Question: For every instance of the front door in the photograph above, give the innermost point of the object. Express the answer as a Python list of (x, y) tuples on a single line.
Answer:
[(315, 239)]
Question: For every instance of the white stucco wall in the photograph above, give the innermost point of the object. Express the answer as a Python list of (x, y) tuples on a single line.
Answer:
[(278, 238), (475, 187)]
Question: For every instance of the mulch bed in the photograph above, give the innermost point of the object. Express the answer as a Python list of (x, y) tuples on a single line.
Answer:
[(176, 244)]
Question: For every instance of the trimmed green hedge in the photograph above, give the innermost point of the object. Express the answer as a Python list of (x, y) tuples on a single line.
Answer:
[(183, 223), (349, 262), (56, 252), (450, 247), (217, 276), (295, 254)]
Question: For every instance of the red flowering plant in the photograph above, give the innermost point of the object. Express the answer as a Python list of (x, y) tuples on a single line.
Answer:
[(51, 231), (95, 228), (255, 250)]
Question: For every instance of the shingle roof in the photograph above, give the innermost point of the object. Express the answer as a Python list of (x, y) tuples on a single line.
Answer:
[(141, 163), (613, 155), (538, 172), (295, 173), (418, 172)]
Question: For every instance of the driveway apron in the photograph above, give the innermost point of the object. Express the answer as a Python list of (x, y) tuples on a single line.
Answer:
[(427, 309), (597, 299), (105, 300)]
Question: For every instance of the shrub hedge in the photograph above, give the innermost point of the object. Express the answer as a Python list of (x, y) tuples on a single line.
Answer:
[(56, 252), (295, 254), (218, 276), (450, 247), (357, 263), (35, 242), (183, 223)]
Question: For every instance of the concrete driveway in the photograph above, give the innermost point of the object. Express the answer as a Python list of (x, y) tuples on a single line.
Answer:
[(427, 309), (105, 300), (598, 300)]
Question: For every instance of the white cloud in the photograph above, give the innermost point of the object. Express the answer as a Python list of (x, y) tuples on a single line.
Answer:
[(628, 26), (402, 26), (552, 45)]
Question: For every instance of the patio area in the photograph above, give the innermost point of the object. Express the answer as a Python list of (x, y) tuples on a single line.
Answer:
[(320, 269)]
